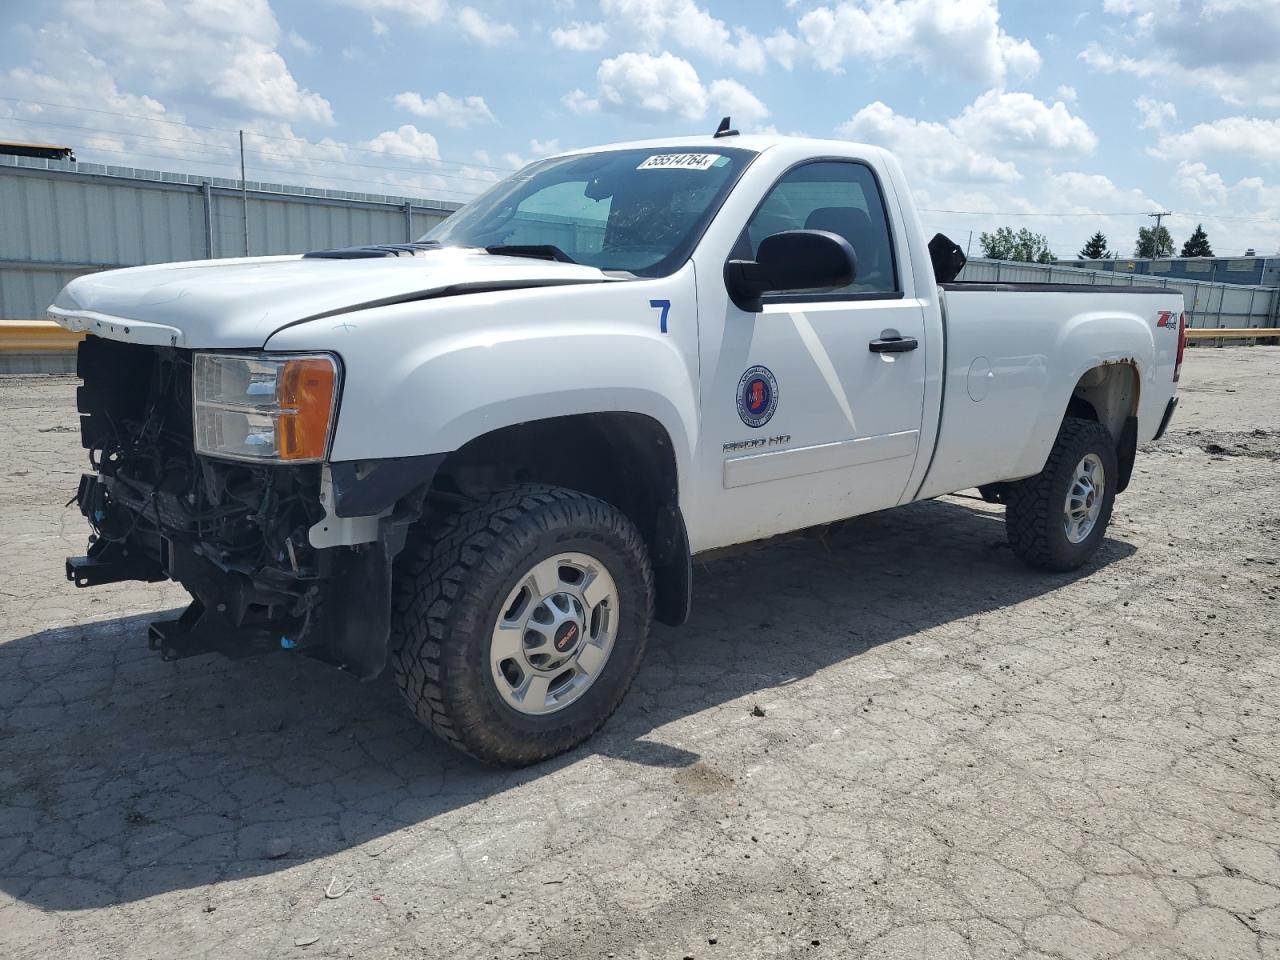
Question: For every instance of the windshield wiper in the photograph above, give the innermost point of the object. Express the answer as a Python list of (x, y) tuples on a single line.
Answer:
[(537, 251)]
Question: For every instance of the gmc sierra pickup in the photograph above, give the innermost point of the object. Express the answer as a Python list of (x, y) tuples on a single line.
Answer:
[(488, 458)]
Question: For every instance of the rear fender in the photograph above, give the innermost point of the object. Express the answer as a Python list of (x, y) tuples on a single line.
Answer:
[(1128, 340)]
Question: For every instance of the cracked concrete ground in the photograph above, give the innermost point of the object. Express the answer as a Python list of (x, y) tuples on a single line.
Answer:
[(958, 758)]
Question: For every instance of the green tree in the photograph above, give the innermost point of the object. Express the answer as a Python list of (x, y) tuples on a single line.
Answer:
[(1023, 245), (1197, 244), (1096, 248), (1153, 243)]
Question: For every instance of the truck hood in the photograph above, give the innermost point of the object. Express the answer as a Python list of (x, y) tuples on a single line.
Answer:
[(241, 303)]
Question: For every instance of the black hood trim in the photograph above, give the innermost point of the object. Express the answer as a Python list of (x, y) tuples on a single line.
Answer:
[(457, 289), (372, 251)]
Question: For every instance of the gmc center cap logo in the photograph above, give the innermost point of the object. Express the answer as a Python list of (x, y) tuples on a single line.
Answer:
[(566, 636), (757, 396)]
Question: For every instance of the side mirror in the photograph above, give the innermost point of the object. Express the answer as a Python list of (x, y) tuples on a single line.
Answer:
[(800, 261)]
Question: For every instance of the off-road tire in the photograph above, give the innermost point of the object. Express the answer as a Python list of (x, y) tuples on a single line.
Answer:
[(1034, 507), (450, 579)]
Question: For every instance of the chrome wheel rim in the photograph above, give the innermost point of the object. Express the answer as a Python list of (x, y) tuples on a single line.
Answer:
[(1084, 498), (554, 634)]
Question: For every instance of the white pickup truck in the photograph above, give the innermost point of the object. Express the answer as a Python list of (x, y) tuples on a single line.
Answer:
[(488, 458)]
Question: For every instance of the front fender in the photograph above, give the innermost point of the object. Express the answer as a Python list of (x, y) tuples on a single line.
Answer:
[(428, 377)]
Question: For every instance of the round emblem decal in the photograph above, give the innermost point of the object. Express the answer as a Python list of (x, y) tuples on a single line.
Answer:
[(757, 396)]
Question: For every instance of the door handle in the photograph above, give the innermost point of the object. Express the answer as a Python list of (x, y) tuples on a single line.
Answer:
[(893, 345)]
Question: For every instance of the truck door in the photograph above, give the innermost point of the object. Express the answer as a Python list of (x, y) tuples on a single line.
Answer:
[(811, 408)]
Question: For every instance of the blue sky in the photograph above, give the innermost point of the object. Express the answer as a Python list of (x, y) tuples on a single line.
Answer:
[(1063, 117)]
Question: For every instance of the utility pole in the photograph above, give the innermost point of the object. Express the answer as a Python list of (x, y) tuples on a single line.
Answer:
[(1155, 250), (244, 196), (968, 245)]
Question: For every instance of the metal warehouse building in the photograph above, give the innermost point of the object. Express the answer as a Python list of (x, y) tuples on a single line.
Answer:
[(1259, 271), (60, 219)]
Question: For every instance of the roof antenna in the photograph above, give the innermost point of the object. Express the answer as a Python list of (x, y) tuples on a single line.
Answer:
[(724, 131)]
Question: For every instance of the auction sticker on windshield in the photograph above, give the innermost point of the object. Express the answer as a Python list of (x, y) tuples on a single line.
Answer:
[(680, 161)]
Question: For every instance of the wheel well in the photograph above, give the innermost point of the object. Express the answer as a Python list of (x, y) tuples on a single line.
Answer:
[(1108, 394), (625, 459)]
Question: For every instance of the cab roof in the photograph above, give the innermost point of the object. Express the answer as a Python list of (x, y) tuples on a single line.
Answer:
[(755, 142)]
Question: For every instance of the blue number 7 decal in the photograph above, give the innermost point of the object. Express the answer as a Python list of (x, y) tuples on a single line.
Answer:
[(665, 307)]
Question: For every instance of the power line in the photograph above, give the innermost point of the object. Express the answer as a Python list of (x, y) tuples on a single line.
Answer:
[(396, 189), (1097, 213), (200, 126), (205, 145)]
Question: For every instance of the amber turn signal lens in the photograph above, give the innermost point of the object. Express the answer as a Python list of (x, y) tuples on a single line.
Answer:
[(304, 393)]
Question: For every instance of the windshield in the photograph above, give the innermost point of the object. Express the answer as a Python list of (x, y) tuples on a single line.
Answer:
[(640, 211)]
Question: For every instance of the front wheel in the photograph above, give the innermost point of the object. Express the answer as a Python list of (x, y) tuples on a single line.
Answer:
[(520, 622), (1057, 519)]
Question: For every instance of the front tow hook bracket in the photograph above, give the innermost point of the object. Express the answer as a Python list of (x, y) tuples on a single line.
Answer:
[(199, 631)]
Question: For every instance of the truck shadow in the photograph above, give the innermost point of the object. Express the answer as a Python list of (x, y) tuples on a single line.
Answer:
[(122, 777)]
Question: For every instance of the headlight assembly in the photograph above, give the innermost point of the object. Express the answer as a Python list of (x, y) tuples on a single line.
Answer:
[(275, 409)]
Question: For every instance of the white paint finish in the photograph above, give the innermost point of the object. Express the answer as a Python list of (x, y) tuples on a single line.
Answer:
[(805, 461), (240, 303), (853, 431), (427, 377), (978, 383), (1038, 345), (114, 328), (822, 360)]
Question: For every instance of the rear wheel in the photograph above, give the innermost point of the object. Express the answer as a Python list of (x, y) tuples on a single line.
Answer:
[(1057, 519), (520, 622)]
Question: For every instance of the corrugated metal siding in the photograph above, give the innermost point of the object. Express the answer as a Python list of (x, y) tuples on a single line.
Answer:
[(59, 220), (1208, 304)]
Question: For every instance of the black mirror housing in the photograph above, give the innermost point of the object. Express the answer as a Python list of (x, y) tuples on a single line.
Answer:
[(800, 261)]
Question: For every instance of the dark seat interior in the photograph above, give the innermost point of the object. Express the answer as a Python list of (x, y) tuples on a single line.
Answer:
[(868, 243)]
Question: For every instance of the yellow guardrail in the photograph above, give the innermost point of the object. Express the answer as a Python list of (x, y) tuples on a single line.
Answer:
[(36, 336), (1230, 333)]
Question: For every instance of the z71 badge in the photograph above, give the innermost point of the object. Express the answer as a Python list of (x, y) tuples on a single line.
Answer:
[(757, 396)]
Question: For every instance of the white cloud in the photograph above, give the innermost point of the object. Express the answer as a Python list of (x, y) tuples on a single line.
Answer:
[(580, 36), (455, 112), (422, 13), (228, 49), (784, 48), (970, 147), (927, 149), (299, 42), (1067, 94), (960, 37), (579, 101), (483, 28), (471, 23), (649, 86), (257, 75), (218, 60), (1195, 180), (543, 148), (690, 26), (1252, 137), (1018, 121), (407, 141), (1155, 113), (731, 98), (1227, 47)]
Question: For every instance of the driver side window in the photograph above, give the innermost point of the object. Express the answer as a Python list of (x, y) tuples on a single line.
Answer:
[(841, 197)]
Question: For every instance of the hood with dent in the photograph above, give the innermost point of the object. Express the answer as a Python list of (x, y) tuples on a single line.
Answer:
[(241, 303)]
